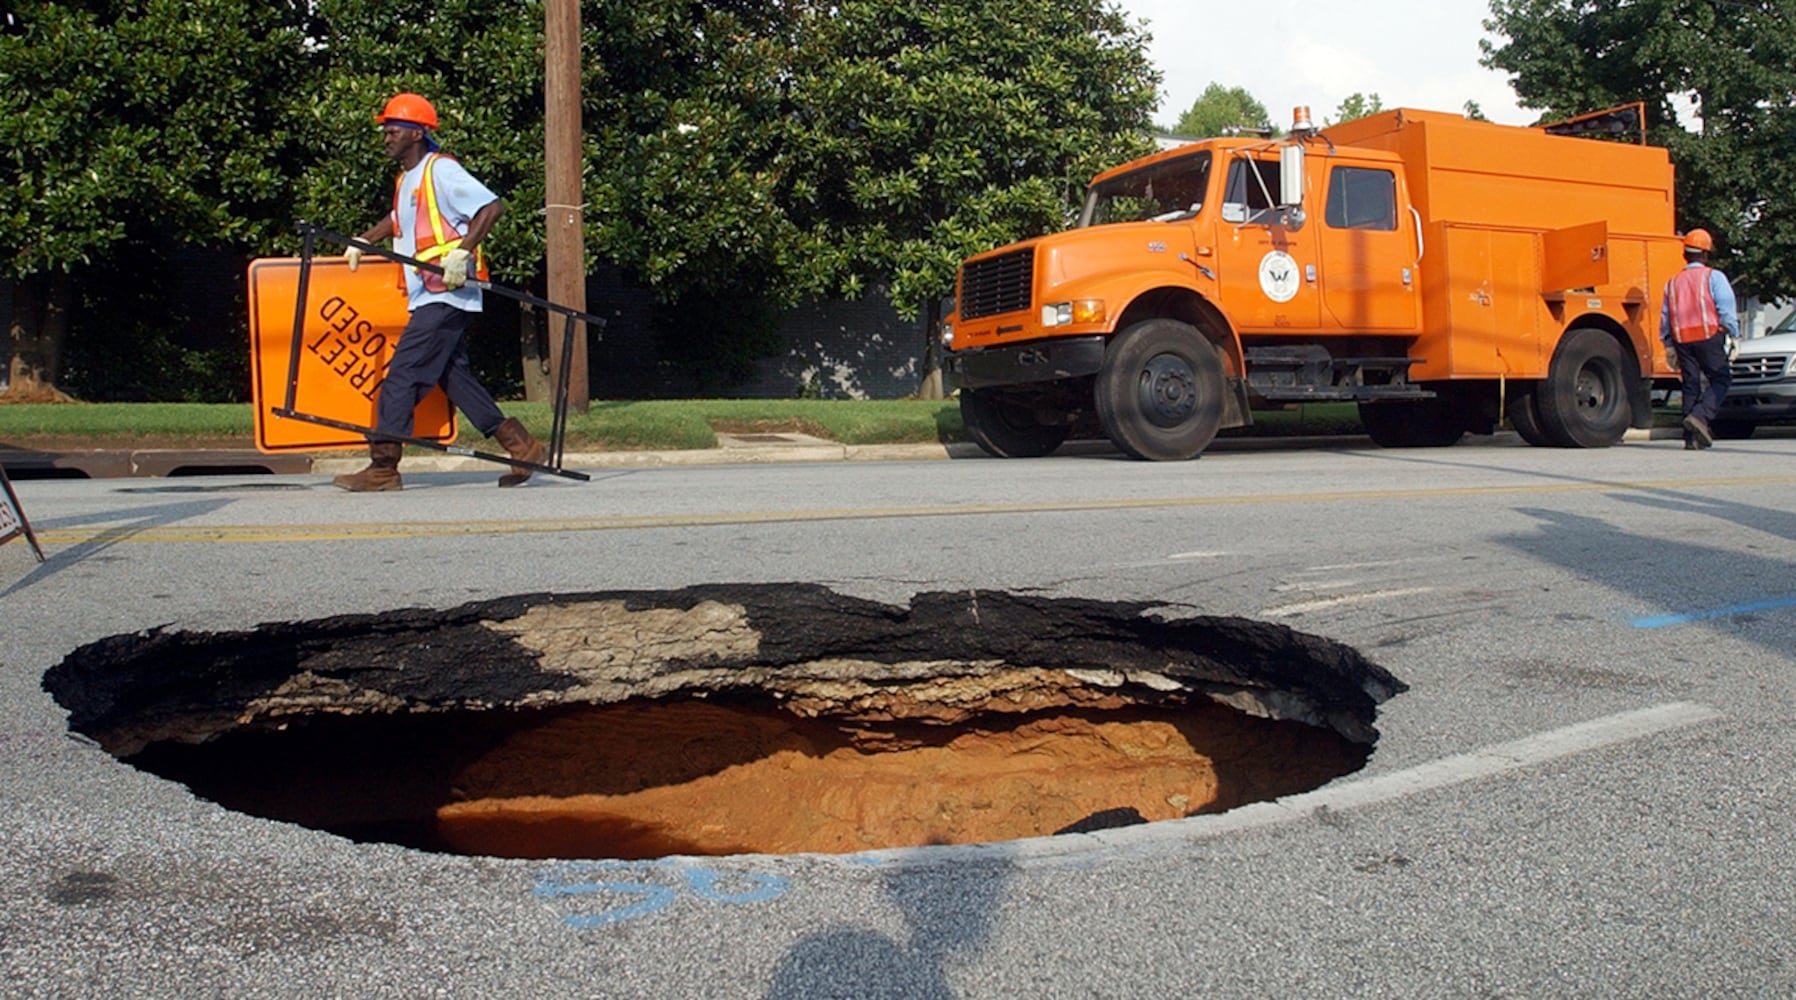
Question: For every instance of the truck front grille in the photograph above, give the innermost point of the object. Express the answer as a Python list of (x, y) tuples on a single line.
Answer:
[(995, 285), (1760, 367)]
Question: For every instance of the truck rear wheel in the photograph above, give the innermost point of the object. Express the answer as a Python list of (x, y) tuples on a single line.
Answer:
[(1006, 427), (1583, 402), (1159, 395), (1524, 414)]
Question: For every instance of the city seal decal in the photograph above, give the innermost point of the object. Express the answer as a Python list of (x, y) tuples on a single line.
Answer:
[(1278, 276)]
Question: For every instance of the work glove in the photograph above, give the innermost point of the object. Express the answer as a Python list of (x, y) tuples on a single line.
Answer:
[(354, 256), (1671, 359), (455, 268), (1733, 349)]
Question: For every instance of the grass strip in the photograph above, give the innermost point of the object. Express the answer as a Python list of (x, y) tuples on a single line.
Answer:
[(606, 426), (645, 425)]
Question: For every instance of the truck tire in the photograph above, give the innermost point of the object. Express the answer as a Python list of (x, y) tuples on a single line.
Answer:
[(1583, 402), (1159, 395), (1424, 423), (1524, 414), (1006, 427)]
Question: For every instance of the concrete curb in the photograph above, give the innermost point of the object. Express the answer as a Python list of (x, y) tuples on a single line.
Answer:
[(732, 450)]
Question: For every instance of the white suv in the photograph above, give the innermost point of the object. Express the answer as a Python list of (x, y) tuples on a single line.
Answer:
[(1764, 389)]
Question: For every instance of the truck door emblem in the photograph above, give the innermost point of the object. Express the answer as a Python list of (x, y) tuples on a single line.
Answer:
[(1278, 276)]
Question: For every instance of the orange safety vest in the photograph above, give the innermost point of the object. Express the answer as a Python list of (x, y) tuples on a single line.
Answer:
[(435, 236), (1694, 317)]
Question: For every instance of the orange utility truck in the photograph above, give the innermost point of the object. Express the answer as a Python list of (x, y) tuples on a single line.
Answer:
[(1441, 272)]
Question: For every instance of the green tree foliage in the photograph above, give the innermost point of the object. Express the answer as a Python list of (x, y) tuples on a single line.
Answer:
[(925, 132), (1356, 105), (688, 119), (130, 133), (739, 156), (1220, 109), (1717, 80)]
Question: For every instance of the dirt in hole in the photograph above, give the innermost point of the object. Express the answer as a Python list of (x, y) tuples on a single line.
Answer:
[(648, 780), (730, 719)]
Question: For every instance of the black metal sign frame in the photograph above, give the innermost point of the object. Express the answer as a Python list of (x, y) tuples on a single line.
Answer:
[(558, 429), (18, 510)]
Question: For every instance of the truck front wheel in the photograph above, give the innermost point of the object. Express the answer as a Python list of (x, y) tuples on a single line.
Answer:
[(1159, 395), (1006, 427), (1584, 401)]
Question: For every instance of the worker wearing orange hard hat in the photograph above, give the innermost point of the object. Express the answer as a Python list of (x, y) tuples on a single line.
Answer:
[(440, 215), (1697, 322)]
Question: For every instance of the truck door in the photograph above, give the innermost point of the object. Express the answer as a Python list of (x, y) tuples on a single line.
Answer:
[(1369, 279), (1267, 257)]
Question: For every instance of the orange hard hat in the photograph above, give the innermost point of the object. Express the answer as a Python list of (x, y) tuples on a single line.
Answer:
[(1699, 239), (408, 108)]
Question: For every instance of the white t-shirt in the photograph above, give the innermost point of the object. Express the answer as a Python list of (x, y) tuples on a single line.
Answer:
[(459, 197)]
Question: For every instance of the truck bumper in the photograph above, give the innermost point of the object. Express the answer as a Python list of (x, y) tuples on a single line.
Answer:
[(1760, 403), (1039, 361)]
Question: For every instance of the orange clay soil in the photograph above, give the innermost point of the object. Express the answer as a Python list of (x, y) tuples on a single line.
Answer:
[(695, 778)]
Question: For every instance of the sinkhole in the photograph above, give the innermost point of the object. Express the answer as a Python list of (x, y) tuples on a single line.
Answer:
[(728, 719)]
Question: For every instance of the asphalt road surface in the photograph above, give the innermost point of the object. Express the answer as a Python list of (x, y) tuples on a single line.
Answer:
[(1588, 789)]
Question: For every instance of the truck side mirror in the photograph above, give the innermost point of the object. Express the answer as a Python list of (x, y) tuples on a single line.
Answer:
[(1290, 176)]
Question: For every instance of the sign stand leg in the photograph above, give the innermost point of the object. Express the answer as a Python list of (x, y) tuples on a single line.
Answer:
[(18, 509)]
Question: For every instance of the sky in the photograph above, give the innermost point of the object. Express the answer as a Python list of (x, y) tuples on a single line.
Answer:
[(1411, 53)]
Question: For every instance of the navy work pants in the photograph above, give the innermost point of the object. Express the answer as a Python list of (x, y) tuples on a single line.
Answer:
[(1704, 361), (433, 351)]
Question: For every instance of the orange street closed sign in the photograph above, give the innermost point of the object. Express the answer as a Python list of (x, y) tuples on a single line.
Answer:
[(352, 320)]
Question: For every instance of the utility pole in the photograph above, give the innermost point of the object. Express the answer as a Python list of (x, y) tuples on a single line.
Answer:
[(562, 160)]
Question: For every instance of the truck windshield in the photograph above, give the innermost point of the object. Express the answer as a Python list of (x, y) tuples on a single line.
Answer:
[(1169, 190)]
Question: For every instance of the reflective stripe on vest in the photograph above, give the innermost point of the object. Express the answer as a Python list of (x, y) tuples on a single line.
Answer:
[(433, 235), (1694, 317)]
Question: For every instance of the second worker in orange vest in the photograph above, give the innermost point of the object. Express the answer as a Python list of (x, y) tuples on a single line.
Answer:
[(440, 214), (1697, 318)]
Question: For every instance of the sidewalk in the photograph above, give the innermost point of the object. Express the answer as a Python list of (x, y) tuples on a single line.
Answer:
[(731, 449)]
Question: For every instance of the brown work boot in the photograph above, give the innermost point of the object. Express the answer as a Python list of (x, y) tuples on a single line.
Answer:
[(518, 443), (1699, 429), (382, 473)]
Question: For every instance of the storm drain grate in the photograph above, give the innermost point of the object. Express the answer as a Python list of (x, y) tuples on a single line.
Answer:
[(730, 719)]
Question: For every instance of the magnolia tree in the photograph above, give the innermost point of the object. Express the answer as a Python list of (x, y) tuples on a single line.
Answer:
[(1719, 84), (739, 158), (130, 135), (1219, 109)]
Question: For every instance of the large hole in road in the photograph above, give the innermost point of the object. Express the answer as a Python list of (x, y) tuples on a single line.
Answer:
[(730, 719)]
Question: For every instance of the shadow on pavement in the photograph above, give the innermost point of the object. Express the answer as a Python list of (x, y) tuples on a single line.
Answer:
[(949, 910)]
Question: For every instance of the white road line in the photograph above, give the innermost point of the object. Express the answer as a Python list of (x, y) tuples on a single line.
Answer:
[(1375, 564), (1302, 607), (1501, 758), (1448, 771)]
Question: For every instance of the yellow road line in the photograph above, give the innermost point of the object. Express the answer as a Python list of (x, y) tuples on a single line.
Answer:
[(126, 532)]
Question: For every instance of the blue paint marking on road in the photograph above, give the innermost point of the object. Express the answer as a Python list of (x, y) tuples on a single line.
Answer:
[(590, 878), (1666, 621), (703, 882)]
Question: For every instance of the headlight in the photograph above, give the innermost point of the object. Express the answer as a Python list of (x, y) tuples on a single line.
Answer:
[(1079, 311), (947, 334)]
